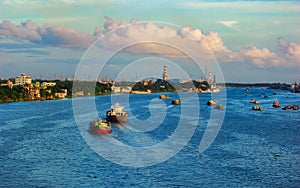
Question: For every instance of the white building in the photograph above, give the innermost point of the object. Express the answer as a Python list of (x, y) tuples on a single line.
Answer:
[(23, 79), (48, 84)]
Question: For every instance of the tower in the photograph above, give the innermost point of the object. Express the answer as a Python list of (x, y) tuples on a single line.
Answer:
[(209, 78), (165, 74)]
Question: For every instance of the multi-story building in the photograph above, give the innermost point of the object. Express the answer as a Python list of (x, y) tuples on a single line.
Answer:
[(23, 79)]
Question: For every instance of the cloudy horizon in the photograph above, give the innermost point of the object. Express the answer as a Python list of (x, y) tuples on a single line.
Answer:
[(252, 41)]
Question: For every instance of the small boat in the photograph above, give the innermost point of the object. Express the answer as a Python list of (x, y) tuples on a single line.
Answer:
[(254, 101), (219, 107), (256, 107), (164, 97), (290, 107), (211, 103), (116, 114), (276, 104), (176, 101), (100, 127)]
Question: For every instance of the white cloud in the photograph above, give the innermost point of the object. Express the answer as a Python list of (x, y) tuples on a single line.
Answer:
[(152, 38), (228, 23)]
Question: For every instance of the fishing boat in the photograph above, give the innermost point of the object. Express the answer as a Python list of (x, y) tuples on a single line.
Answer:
[(164, 97), (258, 108), (176, 101), (211, 103), (290, 107), (254, 101), (116, 114), (276, 104), (100, 126)]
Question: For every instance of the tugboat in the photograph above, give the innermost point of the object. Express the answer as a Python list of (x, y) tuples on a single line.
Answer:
[(176, 101), (99, 127), (276, 104), (256, 107), (164, 97), (116, 114), (290, 107), (211, 103), (254, 101)]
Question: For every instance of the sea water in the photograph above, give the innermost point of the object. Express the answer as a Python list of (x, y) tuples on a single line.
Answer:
[(43, 146)]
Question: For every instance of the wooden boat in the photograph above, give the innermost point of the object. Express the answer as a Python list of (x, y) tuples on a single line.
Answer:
[(290, 107), (100, 127), (276, 104), (211, 103), (254, 101), (164, 97), (258, 108), (176, 101)]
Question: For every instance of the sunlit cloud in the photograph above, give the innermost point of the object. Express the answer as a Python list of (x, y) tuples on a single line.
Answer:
[(228, 23)]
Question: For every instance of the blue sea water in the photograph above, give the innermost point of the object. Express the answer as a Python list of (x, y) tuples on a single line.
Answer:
[(43, 146)]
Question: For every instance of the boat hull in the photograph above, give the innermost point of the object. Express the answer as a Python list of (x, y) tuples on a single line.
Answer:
[(99, 131), (116, 119)]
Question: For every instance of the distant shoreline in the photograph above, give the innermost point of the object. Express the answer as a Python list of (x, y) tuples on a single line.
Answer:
[(69, 98)]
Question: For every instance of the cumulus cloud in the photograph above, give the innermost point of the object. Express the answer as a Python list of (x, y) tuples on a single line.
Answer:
[(154, 38), (261, 57), (290, 50), (47, 34), (228, 23), (288, 55)]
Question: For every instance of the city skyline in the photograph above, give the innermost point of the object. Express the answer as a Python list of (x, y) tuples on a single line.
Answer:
[(252, 41)]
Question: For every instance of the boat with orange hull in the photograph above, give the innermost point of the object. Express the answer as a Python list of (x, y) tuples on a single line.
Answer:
[(257, 108), (276, 104), (254, 101), (211, 103), (176, 101), (164, 97), (100, 127)]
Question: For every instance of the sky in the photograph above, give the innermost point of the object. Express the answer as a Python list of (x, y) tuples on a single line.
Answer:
[(240, 41)]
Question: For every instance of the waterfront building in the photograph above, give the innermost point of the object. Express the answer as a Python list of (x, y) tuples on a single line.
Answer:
[(23, 79), (61, 95), (48, 84)]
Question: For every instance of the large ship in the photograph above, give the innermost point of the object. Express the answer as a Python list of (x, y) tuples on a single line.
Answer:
[(116, 114)]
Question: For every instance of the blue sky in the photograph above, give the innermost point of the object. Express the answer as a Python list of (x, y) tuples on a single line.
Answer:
[(260, 39)]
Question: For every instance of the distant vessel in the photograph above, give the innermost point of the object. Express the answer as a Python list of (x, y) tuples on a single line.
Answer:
[(116, 114), (256, 107), (276, 104), (141, 92), (290, 107), (176, 101), (164, 97), (254, 101), (211, 103), (99, 127)]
